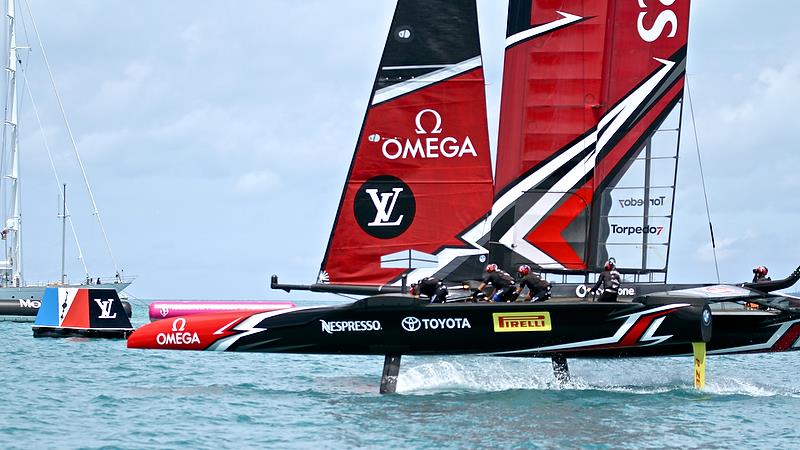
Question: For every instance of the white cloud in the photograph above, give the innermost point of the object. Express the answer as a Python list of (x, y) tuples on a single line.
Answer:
[(726, 249), (256, 182), (125, 90), (192, 34), (769, 101), (743, 112), (781, 81)]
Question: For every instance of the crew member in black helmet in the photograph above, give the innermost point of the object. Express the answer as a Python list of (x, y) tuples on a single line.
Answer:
[(760, 275), (501, 281), (538, 288), (430, 287), (610, 280)]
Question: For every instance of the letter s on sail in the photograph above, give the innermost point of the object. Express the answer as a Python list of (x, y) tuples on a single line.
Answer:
[(666, 17)]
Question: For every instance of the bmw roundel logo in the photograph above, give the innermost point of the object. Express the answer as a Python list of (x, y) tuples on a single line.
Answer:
[(411, 324), (706, 316), (384, 207)]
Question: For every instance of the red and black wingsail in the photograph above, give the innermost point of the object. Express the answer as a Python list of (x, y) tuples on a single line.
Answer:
[(588, 88), (421, 174)]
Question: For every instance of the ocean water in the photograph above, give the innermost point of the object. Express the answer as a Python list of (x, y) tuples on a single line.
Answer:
[(79, 393)]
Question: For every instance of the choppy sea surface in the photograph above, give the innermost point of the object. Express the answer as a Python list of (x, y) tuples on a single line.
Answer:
[(80, 393)]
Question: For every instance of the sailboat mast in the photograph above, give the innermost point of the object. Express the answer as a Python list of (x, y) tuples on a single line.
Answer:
[(12, 229), (63, 234)]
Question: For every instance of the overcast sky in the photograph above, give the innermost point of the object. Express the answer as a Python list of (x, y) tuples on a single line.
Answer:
[(217, 136)]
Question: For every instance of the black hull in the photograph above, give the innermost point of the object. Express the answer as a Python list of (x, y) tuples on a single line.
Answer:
[(464, 329), (402, 325), (94, 333)]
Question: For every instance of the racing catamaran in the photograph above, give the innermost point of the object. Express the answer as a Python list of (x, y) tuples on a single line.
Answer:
[(587, 154)]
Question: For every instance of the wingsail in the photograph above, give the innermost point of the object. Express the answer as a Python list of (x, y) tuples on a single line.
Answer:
[(421, 173), (589, 131)]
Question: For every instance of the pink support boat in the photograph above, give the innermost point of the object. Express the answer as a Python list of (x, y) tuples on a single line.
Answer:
[(174, 308)]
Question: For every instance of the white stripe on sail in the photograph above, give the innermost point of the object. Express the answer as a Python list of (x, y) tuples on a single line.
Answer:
[(412, 85), (619, 115), (532, 180), (430, 66), (542, 29)]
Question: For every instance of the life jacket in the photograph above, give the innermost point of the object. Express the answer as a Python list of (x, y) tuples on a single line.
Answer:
[(427, 286), (499, 279), (432, 288), (611, 280), (535, 282)]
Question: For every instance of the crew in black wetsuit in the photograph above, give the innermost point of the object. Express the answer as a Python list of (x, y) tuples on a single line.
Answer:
[(610, 279), (502, 283), (760, 275), (538, 288), (431, 287)]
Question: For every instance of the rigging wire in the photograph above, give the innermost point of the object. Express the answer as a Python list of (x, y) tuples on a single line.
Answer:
[(55, 173), (702, 179), (96, 212), (349, 297)]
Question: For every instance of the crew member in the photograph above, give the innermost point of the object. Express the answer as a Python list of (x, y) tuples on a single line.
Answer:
[(760, 275), (501, 281), (538, 288), (610, 280), (431, 287)]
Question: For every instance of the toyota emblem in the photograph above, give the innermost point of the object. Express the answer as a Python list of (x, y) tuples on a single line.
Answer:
[(411, 324)]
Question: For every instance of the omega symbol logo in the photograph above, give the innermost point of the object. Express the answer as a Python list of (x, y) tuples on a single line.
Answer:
[(179, 324), (437, 128), (384, 207), (411, 324)]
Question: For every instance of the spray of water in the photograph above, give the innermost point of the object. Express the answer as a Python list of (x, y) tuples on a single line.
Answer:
[(636, 376)]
